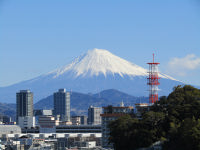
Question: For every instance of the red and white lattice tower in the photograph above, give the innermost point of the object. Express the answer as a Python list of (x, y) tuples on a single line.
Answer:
[(153, 82)]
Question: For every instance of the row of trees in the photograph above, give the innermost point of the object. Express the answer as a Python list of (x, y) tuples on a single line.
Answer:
[(174, 120)]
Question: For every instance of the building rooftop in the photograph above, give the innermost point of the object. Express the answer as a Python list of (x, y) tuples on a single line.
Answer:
[(62, 90), (25, 91)]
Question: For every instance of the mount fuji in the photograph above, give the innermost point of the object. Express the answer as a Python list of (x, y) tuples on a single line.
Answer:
[(92, 72)]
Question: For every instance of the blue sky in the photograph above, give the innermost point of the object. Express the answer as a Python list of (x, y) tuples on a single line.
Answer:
[(39, 36)]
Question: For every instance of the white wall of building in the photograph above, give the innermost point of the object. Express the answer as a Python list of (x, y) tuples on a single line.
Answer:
[(26, 122)]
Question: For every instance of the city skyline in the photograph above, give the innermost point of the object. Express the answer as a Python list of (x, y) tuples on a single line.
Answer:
[(45, 36), (98, 75)]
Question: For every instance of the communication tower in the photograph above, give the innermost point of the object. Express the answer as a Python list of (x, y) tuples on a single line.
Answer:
[(153, 82)]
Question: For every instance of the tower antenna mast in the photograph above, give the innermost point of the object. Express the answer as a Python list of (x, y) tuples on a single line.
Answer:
[(152, 81)]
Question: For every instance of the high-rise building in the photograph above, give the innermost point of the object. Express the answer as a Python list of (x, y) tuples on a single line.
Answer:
[(111, 113), (94, 115), (62, 104), (24, 115), (24, 104)]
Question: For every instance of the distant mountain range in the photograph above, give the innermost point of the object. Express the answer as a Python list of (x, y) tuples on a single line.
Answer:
[(80, 102), (8, 110), (95, 71)]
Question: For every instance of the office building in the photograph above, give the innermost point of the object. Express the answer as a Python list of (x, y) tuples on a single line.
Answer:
[(111, 113), (62, 104), (76, 120), (24, 107), (84, 120), (94, 115)]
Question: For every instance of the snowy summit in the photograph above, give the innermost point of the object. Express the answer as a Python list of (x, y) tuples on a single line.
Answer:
[(95, 71), (100, 61)]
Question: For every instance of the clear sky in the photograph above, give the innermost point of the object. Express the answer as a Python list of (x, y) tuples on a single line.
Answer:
[(38, 36)]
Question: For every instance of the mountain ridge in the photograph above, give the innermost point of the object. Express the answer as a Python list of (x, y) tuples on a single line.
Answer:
[(80, 102)]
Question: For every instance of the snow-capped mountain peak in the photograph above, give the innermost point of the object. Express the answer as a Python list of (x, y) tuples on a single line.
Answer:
[(92, 72), (100, 61)]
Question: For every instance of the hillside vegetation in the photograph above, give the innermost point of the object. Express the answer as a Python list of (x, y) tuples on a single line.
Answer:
[(174, 120)]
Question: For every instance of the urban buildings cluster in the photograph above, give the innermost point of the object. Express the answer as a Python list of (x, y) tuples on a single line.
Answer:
[(47, 120), (57, 129)]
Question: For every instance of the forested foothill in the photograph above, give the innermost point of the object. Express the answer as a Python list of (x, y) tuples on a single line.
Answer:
[(174, 121)]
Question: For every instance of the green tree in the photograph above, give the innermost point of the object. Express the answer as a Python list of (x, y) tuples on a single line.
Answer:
[(185, 137), (174, 118), (182, 110), (131, 133), (120, 132)]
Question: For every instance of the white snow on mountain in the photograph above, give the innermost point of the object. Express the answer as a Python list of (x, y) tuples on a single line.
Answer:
[(92, 72), (100, 61)]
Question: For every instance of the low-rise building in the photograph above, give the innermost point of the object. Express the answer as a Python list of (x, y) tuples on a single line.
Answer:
[(51, 141), (76, 120), (26, 122), (10, 129), (78, 129), (47, 124), (41, 112), (111, 113), (140, 108)]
